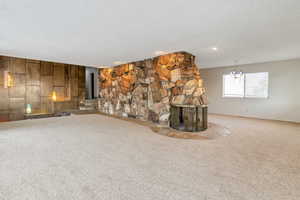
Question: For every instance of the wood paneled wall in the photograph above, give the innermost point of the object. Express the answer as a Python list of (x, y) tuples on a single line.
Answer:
[(34, 82)]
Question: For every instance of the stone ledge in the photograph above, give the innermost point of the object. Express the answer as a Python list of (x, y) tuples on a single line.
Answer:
[(214, 130)]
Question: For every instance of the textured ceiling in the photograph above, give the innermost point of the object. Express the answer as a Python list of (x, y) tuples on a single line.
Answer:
[(99, 33)]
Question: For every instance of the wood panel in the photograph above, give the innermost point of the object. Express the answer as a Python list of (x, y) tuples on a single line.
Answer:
[(18, 89), (46, 105), (74, 87), (46, 69), (81, 77), (2, 69), (74, 72), (4, 116), (17, 65), (67, 94), (63, 105), (4, 99), (33, 97), (60, 93), (33, 71), (59, 75), (4, 58), (16, 104), (33, 61), (81, 93), (75, 102), (16, 108), (16, 115), (46, 86), (33, 83)]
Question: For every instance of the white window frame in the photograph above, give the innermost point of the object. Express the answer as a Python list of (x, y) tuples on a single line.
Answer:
[(244, 96), (228, 96)]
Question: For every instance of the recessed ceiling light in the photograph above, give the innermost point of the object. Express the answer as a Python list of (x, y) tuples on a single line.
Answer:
[(118, 62), (159, 53), (214, 48), (104, 66)]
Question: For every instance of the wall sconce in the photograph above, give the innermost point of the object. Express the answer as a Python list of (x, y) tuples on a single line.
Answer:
[(28, 109), (8, 79), (54, 96), (130, 67)]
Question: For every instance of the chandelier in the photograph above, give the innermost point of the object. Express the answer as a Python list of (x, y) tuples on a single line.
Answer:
[(236, 74)]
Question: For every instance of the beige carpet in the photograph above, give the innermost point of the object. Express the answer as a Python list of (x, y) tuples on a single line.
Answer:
[(97, 157)]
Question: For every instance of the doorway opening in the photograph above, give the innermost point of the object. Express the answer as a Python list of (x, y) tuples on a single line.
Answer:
[(91, 83)]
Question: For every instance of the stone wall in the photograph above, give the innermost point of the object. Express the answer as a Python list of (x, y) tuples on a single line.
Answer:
[(145, 89), (33, 82)]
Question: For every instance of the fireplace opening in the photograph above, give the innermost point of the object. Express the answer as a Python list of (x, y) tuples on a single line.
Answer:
[(181, 125), (190, 118)]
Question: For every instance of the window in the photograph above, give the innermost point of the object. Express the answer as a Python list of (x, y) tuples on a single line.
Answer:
[(233, 87), (249, 85), (257, 85)]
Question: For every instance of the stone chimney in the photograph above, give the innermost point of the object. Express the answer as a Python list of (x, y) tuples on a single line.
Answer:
[(146, 89)]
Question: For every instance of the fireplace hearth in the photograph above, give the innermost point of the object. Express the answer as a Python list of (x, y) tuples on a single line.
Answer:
[(190, 118)]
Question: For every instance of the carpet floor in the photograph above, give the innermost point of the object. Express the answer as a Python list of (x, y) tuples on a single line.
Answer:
[(98, 157)]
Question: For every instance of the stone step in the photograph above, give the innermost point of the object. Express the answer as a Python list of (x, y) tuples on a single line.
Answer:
[(87, 108), (91, 101), (89, 104)]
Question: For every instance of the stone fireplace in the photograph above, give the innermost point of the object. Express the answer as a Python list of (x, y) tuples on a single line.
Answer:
[(148, 89)]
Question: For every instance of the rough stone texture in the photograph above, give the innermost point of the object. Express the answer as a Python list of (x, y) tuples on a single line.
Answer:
[(33, 83), (92, 157), (147, 88)]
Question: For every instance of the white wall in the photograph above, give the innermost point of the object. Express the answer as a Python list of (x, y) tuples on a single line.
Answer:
[(284, 92)]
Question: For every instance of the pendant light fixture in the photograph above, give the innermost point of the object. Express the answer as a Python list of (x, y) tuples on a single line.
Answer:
[(237, 74)]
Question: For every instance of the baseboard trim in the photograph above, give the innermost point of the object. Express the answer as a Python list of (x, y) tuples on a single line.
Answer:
[(257, 118)]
